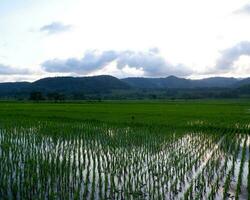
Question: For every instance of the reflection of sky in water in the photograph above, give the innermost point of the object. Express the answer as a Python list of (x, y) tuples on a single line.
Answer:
[(120, 161)]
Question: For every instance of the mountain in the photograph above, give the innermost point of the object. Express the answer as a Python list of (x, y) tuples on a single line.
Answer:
[(175, 82), (109, 87), (15, 87), (242, 82), (157, 83), (243, 86), (220, 82), (94, 84), (67, 85)]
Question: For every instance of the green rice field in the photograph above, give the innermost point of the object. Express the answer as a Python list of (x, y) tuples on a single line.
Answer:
[(125, 150)]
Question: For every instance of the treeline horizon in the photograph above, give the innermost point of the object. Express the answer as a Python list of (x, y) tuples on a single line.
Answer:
[(170, 94), (111, 88)]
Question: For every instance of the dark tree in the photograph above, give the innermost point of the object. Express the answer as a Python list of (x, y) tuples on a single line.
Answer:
[(36, 96), (55, 96)]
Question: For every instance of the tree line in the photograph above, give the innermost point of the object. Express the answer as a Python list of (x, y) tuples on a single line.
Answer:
[(52, 96)]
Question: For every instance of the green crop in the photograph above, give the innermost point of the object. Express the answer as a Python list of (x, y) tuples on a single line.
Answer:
[(167, 150)]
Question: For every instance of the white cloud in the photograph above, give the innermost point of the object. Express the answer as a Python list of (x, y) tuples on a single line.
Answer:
[(55, 27), (243, 10), (150, 62), (8, 70), (232, 54)]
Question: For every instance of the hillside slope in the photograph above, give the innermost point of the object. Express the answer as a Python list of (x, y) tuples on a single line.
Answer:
[(175, 82)]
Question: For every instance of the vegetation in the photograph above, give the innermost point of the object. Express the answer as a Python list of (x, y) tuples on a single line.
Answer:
[(108, 88), (125, 150)]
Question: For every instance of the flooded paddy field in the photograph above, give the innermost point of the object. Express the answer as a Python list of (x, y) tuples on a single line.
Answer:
[(98, 161)]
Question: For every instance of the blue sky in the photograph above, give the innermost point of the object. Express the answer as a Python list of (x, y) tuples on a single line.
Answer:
[(152, 38)]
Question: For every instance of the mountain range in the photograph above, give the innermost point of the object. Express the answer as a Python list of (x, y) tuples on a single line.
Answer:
[(175, 82), (106, 84)]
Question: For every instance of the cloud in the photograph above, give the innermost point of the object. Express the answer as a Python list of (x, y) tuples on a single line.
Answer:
[(230, 55), (244, 10), (149, 61), (91, 61), (55, 27), (8, 70)]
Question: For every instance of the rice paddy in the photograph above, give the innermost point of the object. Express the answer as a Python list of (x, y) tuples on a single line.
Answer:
[(93, 159)]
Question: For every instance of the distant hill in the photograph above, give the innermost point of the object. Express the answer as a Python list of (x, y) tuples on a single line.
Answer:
[(242, 82), (93, 84), (160, 83), (220, 82), (12, 88), (109, 87), (175, 82)]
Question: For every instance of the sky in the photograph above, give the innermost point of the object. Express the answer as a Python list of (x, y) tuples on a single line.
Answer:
[(124, 38)]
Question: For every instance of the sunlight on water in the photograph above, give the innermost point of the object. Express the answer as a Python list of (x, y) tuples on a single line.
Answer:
[(91, 162)]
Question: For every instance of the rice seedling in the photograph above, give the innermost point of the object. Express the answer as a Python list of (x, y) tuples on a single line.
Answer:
[(94, 160)]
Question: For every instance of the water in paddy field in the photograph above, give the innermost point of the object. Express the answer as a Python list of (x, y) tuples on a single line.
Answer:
[(86, 161)]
